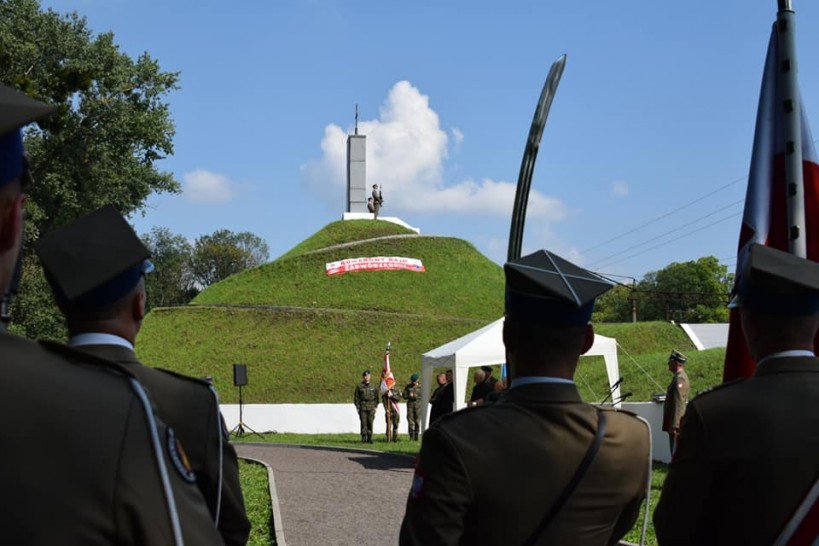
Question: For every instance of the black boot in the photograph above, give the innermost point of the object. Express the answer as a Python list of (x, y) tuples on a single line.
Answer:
[(369, 438)]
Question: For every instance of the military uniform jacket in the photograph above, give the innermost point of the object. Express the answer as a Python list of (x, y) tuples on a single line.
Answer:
[(746, 457), (676, 399), (392, 400), (411, 395), (188, 405), (489, 474), (77, 462), (366, 397)]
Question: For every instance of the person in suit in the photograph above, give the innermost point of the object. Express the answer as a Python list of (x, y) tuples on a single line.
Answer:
[(490, 380), (563, 471), (676, 398), (442, 398), (746, 457), (95, 266), (84, 459)]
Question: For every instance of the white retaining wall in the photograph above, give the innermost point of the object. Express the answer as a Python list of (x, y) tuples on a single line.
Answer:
[(342, 418)]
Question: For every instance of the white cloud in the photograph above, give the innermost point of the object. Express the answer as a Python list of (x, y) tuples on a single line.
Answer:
[(406, 150), (201, 186), (619, 188)]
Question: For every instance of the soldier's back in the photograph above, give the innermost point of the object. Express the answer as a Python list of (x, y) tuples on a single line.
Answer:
[(190, 406), (536, 444), (82, 457), (747, 453)]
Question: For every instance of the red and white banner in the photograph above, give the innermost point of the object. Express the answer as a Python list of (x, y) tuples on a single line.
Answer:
[(765, 220), (376, 263)]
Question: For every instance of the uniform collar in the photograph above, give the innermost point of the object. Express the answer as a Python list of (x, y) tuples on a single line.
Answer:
[(98, 338), (787, 354), (785, 363), (542, 392), (532, 380)]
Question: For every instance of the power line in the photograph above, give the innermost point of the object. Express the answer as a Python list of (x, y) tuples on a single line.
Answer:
[(664, 215), (674, 239), (669, 232)]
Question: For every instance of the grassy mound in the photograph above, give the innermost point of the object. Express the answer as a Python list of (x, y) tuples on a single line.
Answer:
[(306, 336)]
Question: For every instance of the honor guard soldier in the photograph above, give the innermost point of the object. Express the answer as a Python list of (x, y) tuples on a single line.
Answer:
[(412, 396), (390, 397), (366, 398), (676, 398), (378, 201), (747, 454), (84, 459), (96, 266), (539, 466)]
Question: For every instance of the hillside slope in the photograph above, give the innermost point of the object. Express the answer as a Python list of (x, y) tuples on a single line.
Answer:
[(306, 336)]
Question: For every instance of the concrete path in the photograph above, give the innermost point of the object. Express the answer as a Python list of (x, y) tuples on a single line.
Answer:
[(336, 496)]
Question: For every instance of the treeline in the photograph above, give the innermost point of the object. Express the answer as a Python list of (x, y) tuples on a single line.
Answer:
[(102, 146), (183, 269), (695, 291)]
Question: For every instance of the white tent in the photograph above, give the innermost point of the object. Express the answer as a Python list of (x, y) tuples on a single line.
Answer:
[(485, 347)]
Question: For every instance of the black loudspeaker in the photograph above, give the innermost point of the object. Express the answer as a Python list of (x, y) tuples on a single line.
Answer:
[(239, 375)]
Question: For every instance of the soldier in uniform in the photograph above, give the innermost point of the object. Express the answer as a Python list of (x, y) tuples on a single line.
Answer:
[(390, 397), (412, 395), (84, 458), (579, 473), (676, 398), (747, 453), (366, 404), (378, 201), (95, 266)]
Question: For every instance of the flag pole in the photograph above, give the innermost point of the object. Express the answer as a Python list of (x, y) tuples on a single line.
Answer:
[(792, 127)]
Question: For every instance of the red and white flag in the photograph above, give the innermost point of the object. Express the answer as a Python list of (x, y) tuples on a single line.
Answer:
[(387, 377), (765, 219)]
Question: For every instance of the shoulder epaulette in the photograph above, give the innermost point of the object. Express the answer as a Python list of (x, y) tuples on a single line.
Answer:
[(178, 375), (615, 409), (715, 388), (76, 356)]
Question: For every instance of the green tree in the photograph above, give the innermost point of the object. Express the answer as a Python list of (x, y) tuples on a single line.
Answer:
[(220, 255), (614, 305), (111, 126), (695, 291), (171, 282)]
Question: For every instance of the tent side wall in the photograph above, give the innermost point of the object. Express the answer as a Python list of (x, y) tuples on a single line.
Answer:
[(484, 347)]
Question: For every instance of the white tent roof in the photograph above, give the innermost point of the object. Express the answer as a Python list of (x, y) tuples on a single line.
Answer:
[(484, 347)]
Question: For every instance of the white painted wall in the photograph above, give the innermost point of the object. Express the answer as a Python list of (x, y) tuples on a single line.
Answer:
[(342, 418)]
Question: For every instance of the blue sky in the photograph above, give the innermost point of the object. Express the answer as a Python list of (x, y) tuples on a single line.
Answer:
[(643, 161)]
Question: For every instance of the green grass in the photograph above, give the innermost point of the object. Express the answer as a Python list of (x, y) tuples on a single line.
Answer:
[(459, 282), (296, 356), (256, 490), (344, 232), (306, 337), (313, 356), (658, 475)]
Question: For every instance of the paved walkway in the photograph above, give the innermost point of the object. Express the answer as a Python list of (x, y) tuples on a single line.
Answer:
[(336, 496)]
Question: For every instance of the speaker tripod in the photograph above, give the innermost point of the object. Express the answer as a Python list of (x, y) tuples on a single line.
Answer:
[(242, 429)]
